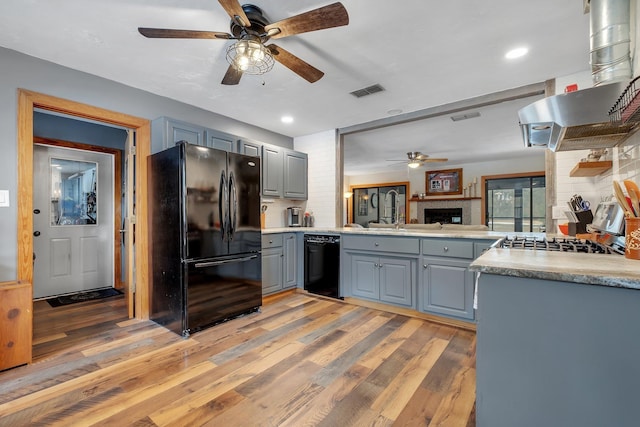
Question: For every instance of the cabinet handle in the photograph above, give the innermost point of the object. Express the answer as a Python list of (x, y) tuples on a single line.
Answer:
[(379, 265), (377, 244), (425, 266), (446, 249), (270, 241), (375, 264)]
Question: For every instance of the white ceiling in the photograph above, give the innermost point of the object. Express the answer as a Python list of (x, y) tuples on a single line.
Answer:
[(424, 53)]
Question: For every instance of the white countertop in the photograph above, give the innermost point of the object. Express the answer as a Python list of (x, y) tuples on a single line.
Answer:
[(459, 234), (592, 269)]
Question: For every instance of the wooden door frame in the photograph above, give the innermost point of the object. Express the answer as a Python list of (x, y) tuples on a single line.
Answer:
[(27, 101), (117, 193)]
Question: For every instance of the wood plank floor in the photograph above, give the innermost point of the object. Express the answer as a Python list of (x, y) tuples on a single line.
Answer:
[(301, 361)]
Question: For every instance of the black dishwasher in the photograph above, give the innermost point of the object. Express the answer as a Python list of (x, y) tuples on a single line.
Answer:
[(322, 264)]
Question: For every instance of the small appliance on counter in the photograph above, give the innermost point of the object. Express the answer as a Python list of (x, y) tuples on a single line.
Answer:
[(294, 216)]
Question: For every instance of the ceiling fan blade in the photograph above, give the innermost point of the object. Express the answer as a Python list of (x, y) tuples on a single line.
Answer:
[(164, 33), (333, 15), (232, 76), (235, 11), (295, 64), (434, 160)]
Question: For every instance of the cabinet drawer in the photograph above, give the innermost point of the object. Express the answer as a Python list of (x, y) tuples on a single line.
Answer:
[(460, 248), (271, 240), (382, 244)]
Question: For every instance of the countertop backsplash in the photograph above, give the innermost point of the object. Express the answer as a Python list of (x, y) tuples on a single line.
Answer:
[(276, 210)]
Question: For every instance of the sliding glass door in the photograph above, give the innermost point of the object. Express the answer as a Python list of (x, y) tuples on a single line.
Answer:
[(516, 204)]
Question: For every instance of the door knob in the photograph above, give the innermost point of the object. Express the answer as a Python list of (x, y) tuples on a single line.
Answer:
[(36, 233)]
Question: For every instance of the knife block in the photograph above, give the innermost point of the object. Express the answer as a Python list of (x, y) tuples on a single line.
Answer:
[(584, 218)]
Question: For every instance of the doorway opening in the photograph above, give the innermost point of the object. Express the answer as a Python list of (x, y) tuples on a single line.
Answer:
[(136, 299), (515, 202)]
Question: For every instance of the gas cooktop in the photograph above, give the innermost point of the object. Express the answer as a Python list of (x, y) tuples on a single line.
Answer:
[(559, 244)]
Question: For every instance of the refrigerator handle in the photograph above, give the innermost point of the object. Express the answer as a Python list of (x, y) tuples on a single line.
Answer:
[(233, 206), (224, 261), (221, 206)]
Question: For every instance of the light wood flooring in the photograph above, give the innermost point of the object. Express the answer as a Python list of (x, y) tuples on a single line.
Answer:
[(302, 361)]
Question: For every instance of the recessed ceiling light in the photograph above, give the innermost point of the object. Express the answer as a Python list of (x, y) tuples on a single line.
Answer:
[(516, 53), (394, 111), (287, 119)]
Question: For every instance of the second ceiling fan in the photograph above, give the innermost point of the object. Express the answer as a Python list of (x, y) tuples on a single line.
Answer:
[(251, 30), (416, 159)]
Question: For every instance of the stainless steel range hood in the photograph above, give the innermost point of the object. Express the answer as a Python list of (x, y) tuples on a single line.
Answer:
[(575, 121)]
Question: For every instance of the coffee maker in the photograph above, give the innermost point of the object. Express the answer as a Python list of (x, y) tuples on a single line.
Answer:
[(294, 216)]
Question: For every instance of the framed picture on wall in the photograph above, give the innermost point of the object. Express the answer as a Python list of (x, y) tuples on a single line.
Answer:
[(444, 182)]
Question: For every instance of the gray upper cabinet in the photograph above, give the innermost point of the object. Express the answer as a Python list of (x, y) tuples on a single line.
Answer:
[(220, 140), (295, 175), (249, 148), (272, 171), (165, 132)]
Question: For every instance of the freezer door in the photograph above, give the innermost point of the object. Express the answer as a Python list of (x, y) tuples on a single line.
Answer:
[(244, 202), (221, 289), (206, 195)]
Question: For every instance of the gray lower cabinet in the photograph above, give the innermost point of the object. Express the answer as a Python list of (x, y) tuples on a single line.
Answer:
[(272, 270), (290, 266), (446, 284), (387, 279), (446, 287), (279, 262)]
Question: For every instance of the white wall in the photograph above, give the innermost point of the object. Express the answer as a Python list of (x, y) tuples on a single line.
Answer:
[(321, 149)]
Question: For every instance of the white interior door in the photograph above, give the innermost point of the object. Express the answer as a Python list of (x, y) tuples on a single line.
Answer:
[(73, 220)]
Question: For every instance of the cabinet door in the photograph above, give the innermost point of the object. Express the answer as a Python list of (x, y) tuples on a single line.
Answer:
[(447, 287), (365, 276), (180, 131), (249, 148), (396, 280), (220, 140), (295, 175), (271, 270), (271, 171), (290, 266)]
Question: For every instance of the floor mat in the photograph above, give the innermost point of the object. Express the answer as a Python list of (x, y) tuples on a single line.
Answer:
[(83, 296)]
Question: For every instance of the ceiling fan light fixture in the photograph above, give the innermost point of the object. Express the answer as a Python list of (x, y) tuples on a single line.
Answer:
[(413, 164), (250, 56)]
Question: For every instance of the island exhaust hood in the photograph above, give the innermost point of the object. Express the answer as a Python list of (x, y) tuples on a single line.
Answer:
[(580, 120), (575, 121)]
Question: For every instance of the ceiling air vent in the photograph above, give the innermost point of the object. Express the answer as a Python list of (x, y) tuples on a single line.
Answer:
[(367, 91), (465, 116)]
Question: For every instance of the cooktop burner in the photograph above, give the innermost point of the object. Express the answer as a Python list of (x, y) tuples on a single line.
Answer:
[(559, 244)]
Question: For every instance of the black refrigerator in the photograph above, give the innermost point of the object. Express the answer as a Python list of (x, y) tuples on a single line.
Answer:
[(206, 265)]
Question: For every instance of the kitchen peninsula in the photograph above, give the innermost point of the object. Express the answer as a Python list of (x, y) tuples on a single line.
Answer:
[(557, 339)]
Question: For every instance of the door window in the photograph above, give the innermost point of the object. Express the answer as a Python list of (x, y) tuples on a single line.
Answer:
[(516, 204), (74, 189)]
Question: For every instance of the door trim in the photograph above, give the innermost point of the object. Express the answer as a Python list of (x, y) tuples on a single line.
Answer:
[(27, 101), (117, 194)]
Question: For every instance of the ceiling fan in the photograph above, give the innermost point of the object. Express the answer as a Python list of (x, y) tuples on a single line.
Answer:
[(416, 159), (249, 54)]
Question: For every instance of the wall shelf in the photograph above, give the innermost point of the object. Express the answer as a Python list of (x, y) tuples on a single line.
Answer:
[(590, 168), (440, 199)]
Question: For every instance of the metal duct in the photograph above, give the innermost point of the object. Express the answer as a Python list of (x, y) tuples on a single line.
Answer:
[(610, 41)]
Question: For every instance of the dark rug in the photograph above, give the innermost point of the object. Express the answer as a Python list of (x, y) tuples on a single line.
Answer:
[(83, 296)]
